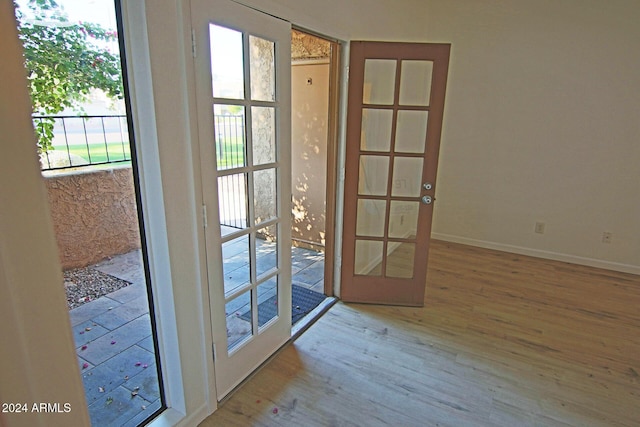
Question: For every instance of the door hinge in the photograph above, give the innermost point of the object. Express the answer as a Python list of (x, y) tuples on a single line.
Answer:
[(204, 216), (193, 43), (213, 351)]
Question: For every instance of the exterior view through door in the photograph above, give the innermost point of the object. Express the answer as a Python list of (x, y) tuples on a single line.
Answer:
[(395, 111), (243, 72), (243, 66)]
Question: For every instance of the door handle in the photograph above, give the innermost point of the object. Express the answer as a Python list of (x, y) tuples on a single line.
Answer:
[(427, 200)]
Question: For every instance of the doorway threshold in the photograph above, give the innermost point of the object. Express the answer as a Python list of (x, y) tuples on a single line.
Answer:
[(296, 330), (308, 320)]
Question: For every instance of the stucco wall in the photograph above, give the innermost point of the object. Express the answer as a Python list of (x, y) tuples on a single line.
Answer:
[(306, 46), (309, 106), (94, 214)]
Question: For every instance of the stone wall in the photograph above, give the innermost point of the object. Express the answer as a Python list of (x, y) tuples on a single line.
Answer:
[(94, 214)]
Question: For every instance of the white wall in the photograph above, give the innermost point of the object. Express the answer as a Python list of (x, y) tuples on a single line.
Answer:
[(390, 20), (37, 355), (166, 116), (541, 124), (173, 120), (541, 95), (540, 120)]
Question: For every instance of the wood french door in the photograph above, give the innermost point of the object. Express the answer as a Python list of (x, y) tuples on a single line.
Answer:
[(395, 111), (242, 64)]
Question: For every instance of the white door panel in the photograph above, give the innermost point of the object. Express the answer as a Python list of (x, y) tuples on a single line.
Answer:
[(242, 65)]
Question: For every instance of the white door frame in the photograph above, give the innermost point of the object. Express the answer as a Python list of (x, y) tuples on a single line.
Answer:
[(176, 247)]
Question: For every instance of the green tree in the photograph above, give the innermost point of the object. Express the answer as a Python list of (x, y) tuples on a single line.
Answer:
[(64, 62)]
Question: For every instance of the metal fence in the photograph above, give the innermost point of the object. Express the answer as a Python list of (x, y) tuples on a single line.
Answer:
[(230, 153), (84, 141), (232, 200), (95, 140), (230, 137)]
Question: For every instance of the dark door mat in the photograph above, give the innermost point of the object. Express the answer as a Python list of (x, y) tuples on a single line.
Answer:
[(303, 301)]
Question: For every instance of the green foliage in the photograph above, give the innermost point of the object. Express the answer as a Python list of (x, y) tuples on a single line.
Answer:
[(64, 62)]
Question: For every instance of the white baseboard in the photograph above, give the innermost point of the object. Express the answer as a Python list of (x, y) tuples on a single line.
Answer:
[(555, 256)]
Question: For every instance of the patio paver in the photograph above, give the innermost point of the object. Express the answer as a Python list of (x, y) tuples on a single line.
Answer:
[(111, 328), (116, 341), (126, 294), (124, 313), (310, 275), (117, 409), (126, 267), (116, 331), (91, 309)]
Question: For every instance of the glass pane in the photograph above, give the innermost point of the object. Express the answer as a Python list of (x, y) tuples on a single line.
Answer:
[(235, 264), (415, 82), (374, 171), (379, 81), (239, 315), (407, 176), (229, 136), (411, 131), (263, 133), (267, 301), (403, 219), (368, 258), (264, 195), (370, 217), (376, 130), (266, 250), (263, 69), (232, 201), (400, 258), (227, 64)]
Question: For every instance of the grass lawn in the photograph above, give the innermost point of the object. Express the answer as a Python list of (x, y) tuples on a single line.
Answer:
[(231, 155), (97, 152)]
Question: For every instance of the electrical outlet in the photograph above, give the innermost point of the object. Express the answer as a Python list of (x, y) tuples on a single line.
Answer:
[(606, 237), (539, 227)]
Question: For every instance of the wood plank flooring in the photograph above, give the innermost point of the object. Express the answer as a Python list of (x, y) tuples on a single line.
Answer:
[(503, 340)]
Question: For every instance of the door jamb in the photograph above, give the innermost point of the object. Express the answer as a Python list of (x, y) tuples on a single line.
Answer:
[(335, 118), (333, 121)]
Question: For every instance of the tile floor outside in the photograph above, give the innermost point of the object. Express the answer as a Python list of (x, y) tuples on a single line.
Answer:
[(115, 347)]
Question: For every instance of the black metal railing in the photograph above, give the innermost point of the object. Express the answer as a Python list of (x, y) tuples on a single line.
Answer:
[(230, 138), (84, 140), (95, 140), (230, 153), (232, 200)]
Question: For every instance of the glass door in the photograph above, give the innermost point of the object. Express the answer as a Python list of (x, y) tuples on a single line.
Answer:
[(396, 103), (242, 60)]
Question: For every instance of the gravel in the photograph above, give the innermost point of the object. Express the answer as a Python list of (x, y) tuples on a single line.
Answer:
[(87, 284)]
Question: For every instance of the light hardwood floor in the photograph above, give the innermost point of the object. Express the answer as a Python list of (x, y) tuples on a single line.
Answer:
[(503, 340)]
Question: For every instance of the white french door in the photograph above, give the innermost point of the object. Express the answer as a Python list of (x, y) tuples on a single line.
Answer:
[(242, 66)]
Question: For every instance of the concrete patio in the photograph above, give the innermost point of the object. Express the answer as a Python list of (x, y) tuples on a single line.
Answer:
[(115, 347)]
